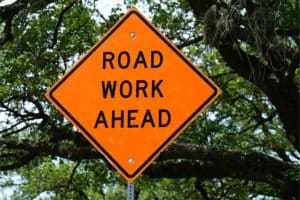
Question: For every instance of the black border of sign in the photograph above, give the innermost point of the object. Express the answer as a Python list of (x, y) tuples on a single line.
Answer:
[(177, 130)]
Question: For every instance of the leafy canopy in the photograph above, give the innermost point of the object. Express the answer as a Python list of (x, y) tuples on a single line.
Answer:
[(48, 39)]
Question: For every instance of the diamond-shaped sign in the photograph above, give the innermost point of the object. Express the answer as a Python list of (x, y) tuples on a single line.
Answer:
[(132, 94)]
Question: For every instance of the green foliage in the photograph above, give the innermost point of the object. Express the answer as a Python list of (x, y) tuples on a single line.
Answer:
[(288, 15), (241, 119), (169, 189)]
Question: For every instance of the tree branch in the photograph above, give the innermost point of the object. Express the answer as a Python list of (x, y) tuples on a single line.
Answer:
[(190, 42), (72, 174), (201, 6), (273, 76), (59, 21), (7, 35), (9, 12), (196, 161)]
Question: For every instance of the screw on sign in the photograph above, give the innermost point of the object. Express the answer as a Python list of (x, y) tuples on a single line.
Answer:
[(132, 94)]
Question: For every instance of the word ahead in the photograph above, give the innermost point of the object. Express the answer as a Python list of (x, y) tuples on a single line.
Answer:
[(128, 119), (111, 89)]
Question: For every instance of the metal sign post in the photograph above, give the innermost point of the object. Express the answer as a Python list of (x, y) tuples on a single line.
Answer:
[(130, 191)]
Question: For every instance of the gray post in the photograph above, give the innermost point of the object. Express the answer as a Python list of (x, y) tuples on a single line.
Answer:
[(130, 191)]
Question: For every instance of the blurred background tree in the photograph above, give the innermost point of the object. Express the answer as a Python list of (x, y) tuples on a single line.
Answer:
[(245, 146)]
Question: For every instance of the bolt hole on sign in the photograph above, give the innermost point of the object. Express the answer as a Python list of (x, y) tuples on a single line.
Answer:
[(132, 94)]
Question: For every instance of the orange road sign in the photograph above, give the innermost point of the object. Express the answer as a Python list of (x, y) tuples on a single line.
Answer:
[(132, 94)]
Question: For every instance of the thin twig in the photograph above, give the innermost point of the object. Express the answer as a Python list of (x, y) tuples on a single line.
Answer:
[(73, 173), (59, 21)]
